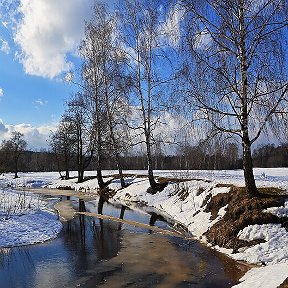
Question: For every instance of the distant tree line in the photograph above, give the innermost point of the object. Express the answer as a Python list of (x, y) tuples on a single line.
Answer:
[(186, 158), (271, 156)]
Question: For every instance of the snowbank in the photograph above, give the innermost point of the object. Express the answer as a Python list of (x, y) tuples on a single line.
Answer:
[(264, 277), (272, 251), (186, 201), (29, 229), (24, 218)]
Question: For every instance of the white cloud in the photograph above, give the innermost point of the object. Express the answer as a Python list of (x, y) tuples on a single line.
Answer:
[(8, 12), (1, 92), (47, 32), (36, 137), (5, 24), (171, 28), (39, 102), (68, 78), (202, 40), (3, 128), (4, 46)]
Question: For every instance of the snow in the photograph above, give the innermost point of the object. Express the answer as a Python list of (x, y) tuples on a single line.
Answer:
[(29, 228), (24, 217), (185, 202), (264, 277), (279, 211), (272, 251)]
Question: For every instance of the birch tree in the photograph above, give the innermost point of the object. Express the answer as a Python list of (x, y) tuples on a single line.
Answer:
[(62, 142), (92, 50), (105, 85), (238, 77), (141, 40)]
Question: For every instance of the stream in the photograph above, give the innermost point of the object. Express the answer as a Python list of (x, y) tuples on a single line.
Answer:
[(91, 252)]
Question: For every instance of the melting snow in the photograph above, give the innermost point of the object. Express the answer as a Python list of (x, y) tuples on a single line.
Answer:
[(186, 207)]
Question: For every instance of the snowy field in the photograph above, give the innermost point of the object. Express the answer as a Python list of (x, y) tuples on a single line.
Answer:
[(188, 210)]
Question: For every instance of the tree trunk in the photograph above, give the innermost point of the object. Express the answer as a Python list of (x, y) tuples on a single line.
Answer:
[(99, 170), (118, 163), (67, 175), (151, 178), (251, 188), (80, 156), (100, 179), (80, 175), (250, 185), (16, 166)]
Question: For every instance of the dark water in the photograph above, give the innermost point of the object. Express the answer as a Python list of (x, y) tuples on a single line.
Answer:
[(97, 253)]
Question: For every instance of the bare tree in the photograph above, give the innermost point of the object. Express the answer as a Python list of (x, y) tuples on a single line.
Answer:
[(141, 41), (62, 142), (106, 87), (93, 51), (239, 82), (77, 116), (14, 146), (117, 109)]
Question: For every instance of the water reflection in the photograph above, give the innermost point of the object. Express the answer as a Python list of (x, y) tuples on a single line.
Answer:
[(80, 246), (157, 261), (132, 259)]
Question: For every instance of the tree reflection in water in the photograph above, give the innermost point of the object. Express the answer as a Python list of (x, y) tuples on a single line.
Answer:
[(142, 259)]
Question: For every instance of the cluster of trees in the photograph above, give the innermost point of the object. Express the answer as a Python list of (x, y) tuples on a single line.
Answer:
[(271, 156), (11, 151), (224, 61)]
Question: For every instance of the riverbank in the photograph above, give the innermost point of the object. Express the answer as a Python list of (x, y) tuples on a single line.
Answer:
[(187, 201)]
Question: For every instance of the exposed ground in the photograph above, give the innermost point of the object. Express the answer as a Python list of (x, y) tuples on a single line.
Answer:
[(241, 212)]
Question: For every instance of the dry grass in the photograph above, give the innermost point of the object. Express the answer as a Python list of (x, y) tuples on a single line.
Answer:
[(284, 284), (240, 212)]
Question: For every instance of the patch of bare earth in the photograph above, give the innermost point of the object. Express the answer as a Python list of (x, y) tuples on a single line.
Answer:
[(241, 211), (284, 284)]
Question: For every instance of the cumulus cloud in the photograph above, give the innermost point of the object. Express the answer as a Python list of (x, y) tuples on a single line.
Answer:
[(4, 46), (48, 31), (1, 92), (3, 128), (36, 137)]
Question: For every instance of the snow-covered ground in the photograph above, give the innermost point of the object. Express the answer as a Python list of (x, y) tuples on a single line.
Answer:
[(186, 207), (24, 217)]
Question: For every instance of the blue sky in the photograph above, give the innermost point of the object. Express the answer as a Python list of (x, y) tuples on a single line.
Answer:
[(38, 46)]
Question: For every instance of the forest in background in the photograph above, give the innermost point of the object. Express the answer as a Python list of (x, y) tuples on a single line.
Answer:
[(187, 158)]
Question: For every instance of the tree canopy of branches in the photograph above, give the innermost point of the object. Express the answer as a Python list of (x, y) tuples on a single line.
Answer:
[(237, 76), (105, 86), (143, 45), (77, 117)]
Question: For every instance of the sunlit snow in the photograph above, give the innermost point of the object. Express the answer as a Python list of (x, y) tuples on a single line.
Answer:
[(186, 208)]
